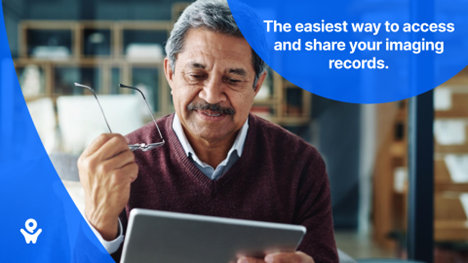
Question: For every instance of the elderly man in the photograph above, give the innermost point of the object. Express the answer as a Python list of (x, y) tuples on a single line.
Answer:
[(218, 160)]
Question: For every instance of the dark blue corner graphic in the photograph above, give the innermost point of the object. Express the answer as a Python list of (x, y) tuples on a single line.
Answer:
[(358, 51), (33, 197)]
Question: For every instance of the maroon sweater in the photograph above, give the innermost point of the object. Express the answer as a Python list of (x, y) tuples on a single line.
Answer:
[(279, 178)]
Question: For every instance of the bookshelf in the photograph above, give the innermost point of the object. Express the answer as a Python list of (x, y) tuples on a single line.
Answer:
[(450, 186), (103, 53)]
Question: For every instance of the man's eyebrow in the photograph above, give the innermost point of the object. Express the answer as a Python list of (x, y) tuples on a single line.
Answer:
[(196, 65), (238, 71)]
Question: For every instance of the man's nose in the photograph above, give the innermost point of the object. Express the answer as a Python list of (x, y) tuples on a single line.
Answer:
[(213, 90)]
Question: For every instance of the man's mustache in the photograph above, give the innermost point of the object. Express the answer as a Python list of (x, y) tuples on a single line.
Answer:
[(203, 105)]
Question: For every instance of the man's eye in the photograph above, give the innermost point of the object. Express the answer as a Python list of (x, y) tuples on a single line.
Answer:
[(194, 76), (234, 81)]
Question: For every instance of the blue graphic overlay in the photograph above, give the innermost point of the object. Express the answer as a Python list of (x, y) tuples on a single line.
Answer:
[(39, 221), (358, 51)]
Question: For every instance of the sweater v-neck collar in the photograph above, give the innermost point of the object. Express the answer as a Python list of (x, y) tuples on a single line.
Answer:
[(192, 170), (233, 155)]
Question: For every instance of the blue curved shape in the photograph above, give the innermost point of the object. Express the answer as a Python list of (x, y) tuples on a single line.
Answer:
[(322, 71), (31, 188)]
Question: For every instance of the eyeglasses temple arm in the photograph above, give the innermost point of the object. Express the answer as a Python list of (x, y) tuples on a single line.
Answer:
[(95, 96), (147, 105)]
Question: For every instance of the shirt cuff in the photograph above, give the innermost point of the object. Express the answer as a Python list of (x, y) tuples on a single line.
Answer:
[(110, 246)]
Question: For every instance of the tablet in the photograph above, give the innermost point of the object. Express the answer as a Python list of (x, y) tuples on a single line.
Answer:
[(167, 237)]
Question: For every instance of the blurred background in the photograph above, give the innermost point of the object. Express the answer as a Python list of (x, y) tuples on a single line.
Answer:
[(102, 43)]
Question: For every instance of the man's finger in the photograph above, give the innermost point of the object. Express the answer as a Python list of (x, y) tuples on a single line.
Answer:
[(250, 260), (97, 143), (112, 147), (120, 160), (297, 257), (283, 258), (129, 171)]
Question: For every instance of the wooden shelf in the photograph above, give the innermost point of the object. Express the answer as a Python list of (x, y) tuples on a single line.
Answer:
[(289, 108), (291, 121), (450, 230), (449, 186), (453, 148), (450, 222), (459, 107)]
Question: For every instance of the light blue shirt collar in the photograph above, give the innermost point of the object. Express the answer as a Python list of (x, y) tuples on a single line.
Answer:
[(234, 153)]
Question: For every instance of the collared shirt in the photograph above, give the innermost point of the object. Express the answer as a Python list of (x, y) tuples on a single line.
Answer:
[(233, 155)]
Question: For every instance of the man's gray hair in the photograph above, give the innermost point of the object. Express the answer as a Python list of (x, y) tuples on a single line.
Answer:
[(213, 15)]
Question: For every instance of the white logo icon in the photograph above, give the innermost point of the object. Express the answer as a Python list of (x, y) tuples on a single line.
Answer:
[(31, 225)]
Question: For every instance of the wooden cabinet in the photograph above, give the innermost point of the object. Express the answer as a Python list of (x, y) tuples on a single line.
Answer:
[(101, 54), (450, 161), (451, 179)]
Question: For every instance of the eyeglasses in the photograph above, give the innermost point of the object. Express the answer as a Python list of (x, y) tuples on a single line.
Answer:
[(133, 147)]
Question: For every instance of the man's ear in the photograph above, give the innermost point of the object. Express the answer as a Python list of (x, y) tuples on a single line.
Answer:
[(260, 80), (168, 72)]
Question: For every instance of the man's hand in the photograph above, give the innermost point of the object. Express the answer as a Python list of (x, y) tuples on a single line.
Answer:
[(107, 168), (296, 257)]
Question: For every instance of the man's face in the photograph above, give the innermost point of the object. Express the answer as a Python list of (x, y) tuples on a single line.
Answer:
[(212, 86)]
